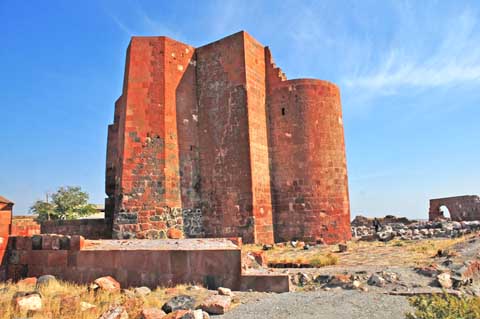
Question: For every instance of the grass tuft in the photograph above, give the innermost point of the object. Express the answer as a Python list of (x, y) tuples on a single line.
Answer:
[(445, 307)]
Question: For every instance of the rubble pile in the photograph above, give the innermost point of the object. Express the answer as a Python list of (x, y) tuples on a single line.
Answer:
[(414, 230), (454, 278)]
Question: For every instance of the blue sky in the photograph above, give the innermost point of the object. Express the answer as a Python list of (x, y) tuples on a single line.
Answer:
[(409, 74)]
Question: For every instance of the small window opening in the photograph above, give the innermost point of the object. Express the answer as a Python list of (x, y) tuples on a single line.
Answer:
[(191, 147), (283, 111)]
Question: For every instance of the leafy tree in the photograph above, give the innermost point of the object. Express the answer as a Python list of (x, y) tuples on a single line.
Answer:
[(68, 202)]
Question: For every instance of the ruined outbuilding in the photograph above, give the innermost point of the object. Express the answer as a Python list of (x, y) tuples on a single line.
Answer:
[(460, 208), (216, 142)]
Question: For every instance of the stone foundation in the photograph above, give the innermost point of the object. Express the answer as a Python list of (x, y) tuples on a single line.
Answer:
[(210, 262)]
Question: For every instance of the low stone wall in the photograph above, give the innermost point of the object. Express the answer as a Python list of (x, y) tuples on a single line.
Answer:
[(25, 226), (88, 228), (210, 262)]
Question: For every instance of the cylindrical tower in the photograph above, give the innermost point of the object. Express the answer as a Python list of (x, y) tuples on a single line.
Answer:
[(309, 170)]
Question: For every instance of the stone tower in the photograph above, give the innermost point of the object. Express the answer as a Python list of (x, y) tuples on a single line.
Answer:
[(216, 142)]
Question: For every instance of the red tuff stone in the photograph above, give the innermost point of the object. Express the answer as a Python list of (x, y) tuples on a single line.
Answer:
[(152, 313), (220, 127), (216, 304), (77, 242), (115, 313), (30, 281), (106, 283), (174, 233)]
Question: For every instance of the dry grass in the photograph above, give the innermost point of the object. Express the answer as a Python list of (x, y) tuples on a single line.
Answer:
[(324, 260), (61, 300), (396, 252), (316, 256)]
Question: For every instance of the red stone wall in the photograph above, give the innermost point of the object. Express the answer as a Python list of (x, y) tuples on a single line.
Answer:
[(74, 259), (64, 257), (199, 143), (5, 224), (88, 228), (461, 208), (258, 139), (24, 226), (145, 190), (235, 183), (308, 159)]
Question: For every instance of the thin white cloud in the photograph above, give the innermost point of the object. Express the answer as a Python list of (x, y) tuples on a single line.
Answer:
[(143, 24), (454, 61), (120, 24)]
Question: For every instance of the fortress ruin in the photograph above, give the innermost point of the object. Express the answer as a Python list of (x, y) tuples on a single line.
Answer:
[(216, 142)]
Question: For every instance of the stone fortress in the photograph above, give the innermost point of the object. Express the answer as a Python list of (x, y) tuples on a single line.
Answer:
[(216, 142)]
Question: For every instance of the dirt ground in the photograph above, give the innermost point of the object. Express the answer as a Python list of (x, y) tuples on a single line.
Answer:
[(361, 259)]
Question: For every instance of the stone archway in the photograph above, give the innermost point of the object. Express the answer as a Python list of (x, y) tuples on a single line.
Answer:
[(445, 212)]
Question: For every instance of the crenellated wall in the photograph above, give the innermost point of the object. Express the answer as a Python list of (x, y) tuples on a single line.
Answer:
[(216, 142)]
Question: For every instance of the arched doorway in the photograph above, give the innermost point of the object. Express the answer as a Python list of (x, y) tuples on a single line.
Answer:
[(444, 211)]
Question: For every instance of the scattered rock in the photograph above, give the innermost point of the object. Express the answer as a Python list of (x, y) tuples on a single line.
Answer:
[(152, 313), (444, 280), (27, 301), (323, 279), (307, 247), (106, 283), (411, 230), (142, 291), (356, 284), (376, 280), (389, 276), (194, 287), (45, 280), (116, 312), (181, 302), (339, 280), (429, 271), (29, 281), (342, 248), (386, 236), (294, 243), (267, 247), (84, 306), (225, 292), (303, 279), (216, 304), (200, 314), (180, 314)]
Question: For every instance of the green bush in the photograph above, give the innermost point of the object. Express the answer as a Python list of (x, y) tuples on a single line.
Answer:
[(445, 307), (68, 202)]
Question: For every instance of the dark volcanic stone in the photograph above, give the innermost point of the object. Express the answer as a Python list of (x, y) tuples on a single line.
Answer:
[(181, 302), (45, 280), (36, 242)]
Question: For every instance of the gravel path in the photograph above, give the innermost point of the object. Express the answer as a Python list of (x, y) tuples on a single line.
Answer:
[(342, 304)]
